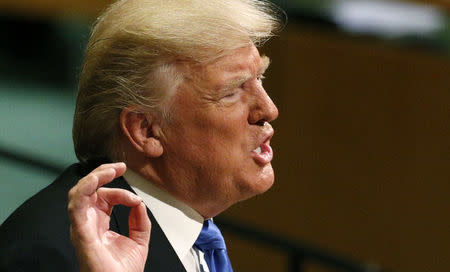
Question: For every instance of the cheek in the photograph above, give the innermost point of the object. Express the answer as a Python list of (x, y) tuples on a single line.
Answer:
[(207, 133), (202, 140), (219, 127)]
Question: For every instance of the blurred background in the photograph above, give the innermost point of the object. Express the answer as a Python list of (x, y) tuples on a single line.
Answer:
[(362, 147)]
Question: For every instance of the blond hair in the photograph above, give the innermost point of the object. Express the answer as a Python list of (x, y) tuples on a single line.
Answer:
[(130, 55)]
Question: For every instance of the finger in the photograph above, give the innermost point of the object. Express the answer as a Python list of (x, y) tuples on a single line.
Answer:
[(108, 165), (139, 225), (78, 195), (99, 177), (119, 168), (110, 197)]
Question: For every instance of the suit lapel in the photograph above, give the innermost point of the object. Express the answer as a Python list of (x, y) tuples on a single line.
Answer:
[(161, 255)]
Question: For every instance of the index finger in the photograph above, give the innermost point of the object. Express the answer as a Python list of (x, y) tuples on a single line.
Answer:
[(97, 178), (118, 167)]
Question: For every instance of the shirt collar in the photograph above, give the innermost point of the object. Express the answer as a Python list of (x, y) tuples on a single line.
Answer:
[(180, 223)]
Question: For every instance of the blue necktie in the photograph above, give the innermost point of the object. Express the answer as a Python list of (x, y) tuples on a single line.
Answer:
[(211, 243)]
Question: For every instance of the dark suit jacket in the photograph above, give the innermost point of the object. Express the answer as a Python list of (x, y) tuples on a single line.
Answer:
[(36, 236)]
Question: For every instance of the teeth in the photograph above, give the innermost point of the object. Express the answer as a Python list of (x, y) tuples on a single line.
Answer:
[(257, 150)]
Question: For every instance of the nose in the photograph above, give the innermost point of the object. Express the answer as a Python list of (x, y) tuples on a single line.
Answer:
[(263, 109)]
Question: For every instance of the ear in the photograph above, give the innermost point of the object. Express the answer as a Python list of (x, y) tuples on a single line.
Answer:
[(142, 132)]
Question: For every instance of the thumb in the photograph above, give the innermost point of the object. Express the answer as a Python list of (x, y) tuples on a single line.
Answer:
[(139, 225)]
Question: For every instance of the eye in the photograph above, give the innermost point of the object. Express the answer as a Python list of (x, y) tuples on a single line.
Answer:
[(230, 94)]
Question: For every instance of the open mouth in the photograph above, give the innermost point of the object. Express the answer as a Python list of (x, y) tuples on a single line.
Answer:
[(263, 153)]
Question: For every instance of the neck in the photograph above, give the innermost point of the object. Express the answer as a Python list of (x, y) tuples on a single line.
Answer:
[(178, 188)]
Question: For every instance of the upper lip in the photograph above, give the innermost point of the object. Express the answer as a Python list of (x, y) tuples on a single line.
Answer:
[(266, 135)]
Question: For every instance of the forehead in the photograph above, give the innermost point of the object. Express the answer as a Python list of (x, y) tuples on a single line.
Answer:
[(241, 62)]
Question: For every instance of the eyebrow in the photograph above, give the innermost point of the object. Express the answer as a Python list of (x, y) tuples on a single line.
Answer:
[(265, 62)]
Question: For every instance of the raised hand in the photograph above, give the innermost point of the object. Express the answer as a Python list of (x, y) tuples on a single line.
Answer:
[(90, 207)]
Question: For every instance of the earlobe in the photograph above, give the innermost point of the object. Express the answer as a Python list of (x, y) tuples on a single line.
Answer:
[(139, 129)]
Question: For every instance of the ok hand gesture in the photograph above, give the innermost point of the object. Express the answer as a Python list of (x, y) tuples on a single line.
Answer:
[(90, 207)]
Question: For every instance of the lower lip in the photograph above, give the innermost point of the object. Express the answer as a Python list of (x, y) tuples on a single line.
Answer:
[(265, 156)]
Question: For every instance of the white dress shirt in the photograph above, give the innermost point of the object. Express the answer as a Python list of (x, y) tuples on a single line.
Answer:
[(180, 223)]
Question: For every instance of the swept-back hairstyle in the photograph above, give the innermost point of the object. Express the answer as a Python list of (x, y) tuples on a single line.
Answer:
[(130, 55)]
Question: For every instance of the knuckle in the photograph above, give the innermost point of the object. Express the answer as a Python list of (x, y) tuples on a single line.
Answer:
[(92, 177), (103, 166), (70, 207), (72, 193)]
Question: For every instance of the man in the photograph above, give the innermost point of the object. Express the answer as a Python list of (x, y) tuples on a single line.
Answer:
[(173, 89)]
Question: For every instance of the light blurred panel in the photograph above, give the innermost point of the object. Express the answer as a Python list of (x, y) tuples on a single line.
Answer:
[(389, 19)]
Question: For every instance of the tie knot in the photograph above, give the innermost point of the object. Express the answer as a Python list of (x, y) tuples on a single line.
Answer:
[(210, 237)]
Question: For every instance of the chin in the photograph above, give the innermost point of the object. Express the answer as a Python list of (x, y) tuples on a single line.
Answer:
[(261, 183), (267, 182)]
